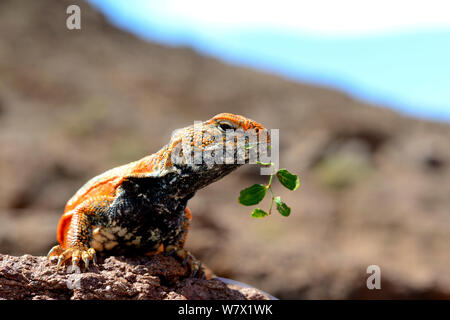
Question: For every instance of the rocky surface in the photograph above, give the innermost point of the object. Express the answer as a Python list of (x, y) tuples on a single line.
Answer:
[(374, 189), (157, 277)]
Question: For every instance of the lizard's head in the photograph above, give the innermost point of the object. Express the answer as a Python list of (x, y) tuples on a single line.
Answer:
[(209, 150), (230, 135)]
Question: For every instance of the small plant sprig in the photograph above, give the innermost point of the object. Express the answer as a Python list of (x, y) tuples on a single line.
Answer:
[(254, 194)]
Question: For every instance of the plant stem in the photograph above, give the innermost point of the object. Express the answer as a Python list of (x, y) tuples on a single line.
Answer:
[(269, 186), (271, 201)]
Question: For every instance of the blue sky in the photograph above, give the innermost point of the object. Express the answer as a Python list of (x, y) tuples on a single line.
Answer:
[(394, 53)]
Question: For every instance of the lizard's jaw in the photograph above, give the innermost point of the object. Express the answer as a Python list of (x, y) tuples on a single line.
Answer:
[(189, 179)]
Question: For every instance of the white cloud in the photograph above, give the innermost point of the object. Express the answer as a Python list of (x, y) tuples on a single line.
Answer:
[(314, 16)]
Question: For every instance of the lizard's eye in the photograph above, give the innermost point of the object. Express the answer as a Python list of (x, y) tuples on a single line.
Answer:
[(224, 126)]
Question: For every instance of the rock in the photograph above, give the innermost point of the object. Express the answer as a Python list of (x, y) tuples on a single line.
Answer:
[(157, 277)]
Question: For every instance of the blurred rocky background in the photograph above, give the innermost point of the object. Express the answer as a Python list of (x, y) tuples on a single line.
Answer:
[(375, 185)]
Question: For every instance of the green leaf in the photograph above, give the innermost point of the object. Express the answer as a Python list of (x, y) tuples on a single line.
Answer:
[(252, 195), (287, 179), (258, 213), (282, 207)]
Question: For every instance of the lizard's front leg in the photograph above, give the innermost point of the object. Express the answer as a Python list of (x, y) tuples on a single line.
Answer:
[(77, 229), (177, 249)]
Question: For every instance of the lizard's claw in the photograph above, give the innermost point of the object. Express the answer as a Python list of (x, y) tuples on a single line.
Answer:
[(197, 270), (75, 253), (195, 266)]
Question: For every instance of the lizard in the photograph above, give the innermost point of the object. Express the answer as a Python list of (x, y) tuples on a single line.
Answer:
[(141, 207)]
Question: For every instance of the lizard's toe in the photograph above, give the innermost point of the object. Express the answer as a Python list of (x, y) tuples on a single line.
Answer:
[(89, 255), (197, 270), (54, 252), (64, 256)]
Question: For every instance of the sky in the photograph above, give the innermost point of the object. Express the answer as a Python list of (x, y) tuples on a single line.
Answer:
[(393, 53)]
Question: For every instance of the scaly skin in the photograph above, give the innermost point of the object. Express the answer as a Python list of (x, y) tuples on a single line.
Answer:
[(140, 207)]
